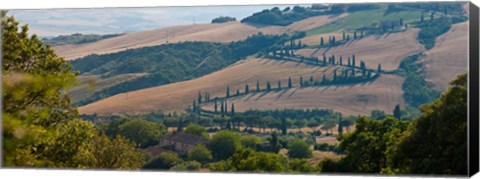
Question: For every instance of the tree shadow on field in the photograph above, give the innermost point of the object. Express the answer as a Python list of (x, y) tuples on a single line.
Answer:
[(260, 96), (248, 97), (280, 94), (293, 92)]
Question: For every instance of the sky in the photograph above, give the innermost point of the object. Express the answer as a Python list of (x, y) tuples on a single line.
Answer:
[(54, 22)]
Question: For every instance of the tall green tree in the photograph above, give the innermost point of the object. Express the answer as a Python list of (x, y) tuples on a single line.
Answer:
[(436, 143), (397, 113), (199, 153), (299, 149), (40, 127), (224, 143), (197, 130), (289, 82)]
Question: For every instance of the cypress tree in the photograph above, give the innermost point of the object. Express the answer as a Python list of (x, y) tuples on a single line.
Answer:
[(422, 18), (321, 41), (324, 79), (180, 126), (341, 60), (284, 126), (301, 81), (206, 97), (228, 92), (299, 44), (247, 89), (353, 72), (348, 37), (258, 86), (238, 93), (279, 85), (216, 106), (379, 68), (229, 125), (324, 59), (194, 106), (222, 110), (269, 87), (431, 15), (369, 74), (355, 35), (226, 108), (348, 61), (343, 35), (340, 126), (361, 34), (397, 113), (199, 98), (353, 60), (333, 39), (311, 79), (401, 22), (289, 82), (334, 74), (233, 109)]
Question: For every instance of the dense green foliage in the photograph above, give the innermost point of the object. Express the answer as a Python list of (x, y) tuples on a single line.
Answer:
[(366, 146), (299, 149), (200, 153), (163, 161), (187, 166), (40, 128), (247, 160), (436, 142), (196, 130), (223, 19), (431, 29), (328, 147), (275, 16), (168, 63), (224, 143), (77, 38), (142, 132), (417, 91)]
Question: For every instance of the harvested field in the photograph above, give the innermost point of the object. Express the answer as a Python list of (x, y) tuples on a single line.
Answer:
[(448, 58), (387, 50)]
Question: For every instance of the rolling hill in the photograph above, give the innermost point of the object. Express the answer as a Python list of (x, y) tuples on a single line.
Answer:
[(224, 32), (448, 58), (178, 96), (388, 49)]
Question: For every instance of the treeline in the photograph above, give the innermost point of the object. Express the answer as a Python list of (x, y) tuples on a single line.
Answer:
[(284, 17), (223, 19), (417, 90), (342, 77), (169, 63), (77, 39), (446, 8)]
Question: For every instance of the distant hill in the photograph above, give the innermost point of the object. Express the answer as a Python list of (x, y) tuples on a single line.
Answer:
[(77, 39), (211, 32)]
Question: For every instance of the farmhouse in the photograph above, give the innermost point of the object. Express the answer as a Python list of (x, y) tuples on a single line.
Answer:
[(181, 142)]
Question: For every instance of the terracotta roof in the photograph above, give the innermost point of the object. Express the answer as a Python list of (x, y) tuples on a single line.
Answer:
[(186, 138)]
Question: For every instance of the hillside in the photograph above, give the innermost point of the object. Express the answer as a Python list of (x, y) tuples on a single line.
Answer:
[(178, 96), (215, 32), (448, 58), (387, 50)]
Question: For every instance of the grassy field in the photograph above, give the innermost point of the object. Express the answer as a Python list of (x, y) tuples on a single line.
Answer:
[(362, 18)]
